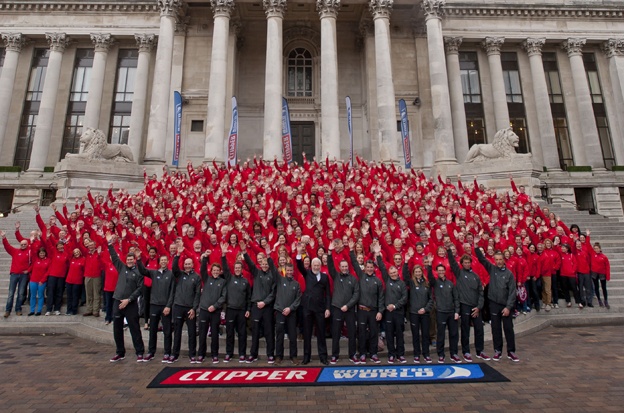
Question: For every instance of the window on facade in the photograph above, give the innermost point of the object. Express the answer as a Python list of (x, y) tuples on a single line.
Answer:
[(28, 121), (2, 54), (124, 93), (74, 119), (473, 103), (564, 146), (515, 101), (300, 73), (476, 131)]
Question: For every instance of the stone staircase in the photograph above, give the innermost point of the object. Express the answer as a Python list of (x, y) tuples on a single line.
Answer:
[(604, 230)]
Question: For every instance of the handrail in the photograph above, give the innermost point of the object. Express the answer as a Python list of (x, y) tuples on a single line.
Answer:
[(563, 199), (13, 210)]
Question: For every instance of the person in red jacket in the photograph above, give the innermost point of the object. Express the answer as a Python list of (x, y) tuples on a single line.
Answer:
[(548, 264), (583, 269), (568, 271), (93, 278), (20, 264), (600, 271), (74, 281), (38, 280)]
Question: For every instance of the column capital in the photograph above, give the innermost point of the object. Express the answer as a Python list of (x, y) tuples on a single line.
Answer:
[(222, 7), (452, 44), (328, 8), (102, 41), (574, 46), (492, 45), (145, 42), (533, 46), (380, 8), (434, 9), (274, 8), (613, 47), (58, 41), (170, 8), (14, 41)]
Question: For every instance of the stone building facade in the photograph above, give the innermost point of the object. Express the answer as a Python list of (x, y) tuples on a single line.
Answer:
[(553, 70)]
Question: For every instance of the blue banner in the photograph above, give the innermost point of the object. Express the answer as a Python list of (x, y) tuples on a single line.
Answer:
[(350, 128), (232, 149), (410, 374), (177, 127), (286, 135), (405, 138)]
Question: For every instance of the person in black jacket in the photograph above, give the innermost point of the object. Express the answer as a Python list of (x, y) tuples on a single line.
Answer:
[(344, 299), (127, 291), (420, 306), (287, 300), (185, 305), (238, 301), (161, 301), (210, 304), (316, 303)]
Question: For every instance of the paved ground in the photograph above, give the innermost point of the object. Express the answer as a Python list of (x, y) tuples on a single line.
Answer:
[(562, 370)]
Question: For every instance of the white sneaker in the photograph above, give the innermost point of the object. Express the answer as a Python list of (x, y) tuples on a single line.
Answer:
[(47, 313), (548, 308), (556, 305), (57, 313)]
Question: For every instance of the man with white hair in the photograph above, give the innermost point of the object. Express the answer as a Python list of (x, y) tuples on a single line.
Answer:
[(20, 263)]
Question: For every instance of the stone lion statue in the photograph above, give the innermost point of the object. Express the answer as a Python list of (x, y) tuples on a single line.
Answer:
[(94, 146), (503, 147)]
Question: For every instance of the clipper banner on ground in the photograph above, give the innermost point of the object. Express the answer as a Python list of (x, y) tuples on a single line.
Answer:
[(286, 136), (232, 147), (350, 128), (177, 127), (405, 138), (324, 376)]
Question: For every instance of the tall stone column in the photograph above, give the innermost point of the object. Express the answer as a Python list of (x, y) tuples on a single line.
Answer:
[(386, 104), (102, 42), (159, 106), (43, 132), (13, 42), (492, 46), (456, 94), (145, 43), (586, 148), (614, 50), (214, 146), (544, 146), (274, 10), (330, 126)]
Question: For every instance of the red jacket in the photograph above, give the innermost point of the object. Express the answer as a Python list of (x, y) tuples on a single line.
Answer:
[(75, 275), (93, 265), (569, 266), (59, 262), (600, 264), (583, 260), (21, 258), (549, 262), (39, 270)]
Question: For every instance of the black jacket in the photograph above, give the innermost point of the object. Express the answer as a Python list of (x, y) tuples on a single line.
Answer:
[(288, 294), (445, 293), (163, 285), (371, 288), (188, 287), (419, 294), (214, 292), (502, 288), (130, 281), (316, 297), (238, 289), (346, 287), (264, 282), (468, 286), (396, 291)]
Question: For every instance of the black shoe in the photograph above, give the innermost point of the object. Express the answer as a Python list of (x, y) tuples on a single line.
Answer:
[(306, 361), (324, 361), (590, 305)]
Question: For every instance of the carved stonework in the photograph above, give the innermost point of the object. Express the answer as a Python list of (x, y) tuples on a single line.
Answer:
[(433, 8), (182, 24), (58, 41), (94, 147), (170, 8), (452, 44), (613, 47), (328, 8), (102, 41), (366, 26), (302, 32), (274, 8), (574, 46), (145, 42), (222, 7), (502, 147), (380, 8), (533, 46), (13, 41), (492, 45)]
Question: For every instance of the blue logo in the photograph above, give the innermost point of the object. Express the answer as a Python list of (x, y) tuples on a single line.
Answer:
[(399, 374)]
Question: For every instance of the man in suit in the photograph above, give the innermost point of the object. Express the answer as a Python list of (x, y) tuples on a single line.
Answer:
[(316, 303)]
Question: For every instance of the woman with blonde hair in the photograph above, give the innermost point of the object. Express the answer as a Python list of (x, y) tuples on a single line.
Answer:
[(420, 305)]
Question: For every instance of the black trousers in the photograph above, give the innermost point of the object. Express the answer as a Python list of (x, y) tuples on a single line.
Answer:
[(180, 316), (147, 296), (394, 333), (264, 317), (555, 287), (311, 319), (286, 324), (466, 318), (131, 313), (338, 319), (420, 324), (585, 288), (235, 323), (212, 320), (56, 286), (507, 326), (73, 297), (602, 278), (368, 332), (569, 284), (447, 319), (534, 287), (156, 316)]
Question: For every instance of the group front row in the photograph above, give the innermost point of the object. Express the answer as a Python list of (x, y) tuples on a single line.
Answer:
[(361, 301)]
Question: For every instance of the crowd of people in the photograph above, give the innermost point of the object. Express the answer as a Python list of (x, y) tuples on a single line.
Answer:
[(352, 251)]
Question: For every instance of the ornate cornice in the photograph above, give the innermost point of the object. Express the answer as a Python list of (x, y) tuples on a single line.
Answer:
[(102, 41), (302, 32), (533, 11), (170, 8), (73, 6), (613, 47), (328, 8), (274, 8), (492, 45), (574, 46), (58, 41), (380, 8), (13, 41), (452, 44), (434, 9), (145, 42), (222, 7), (533, 46)]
